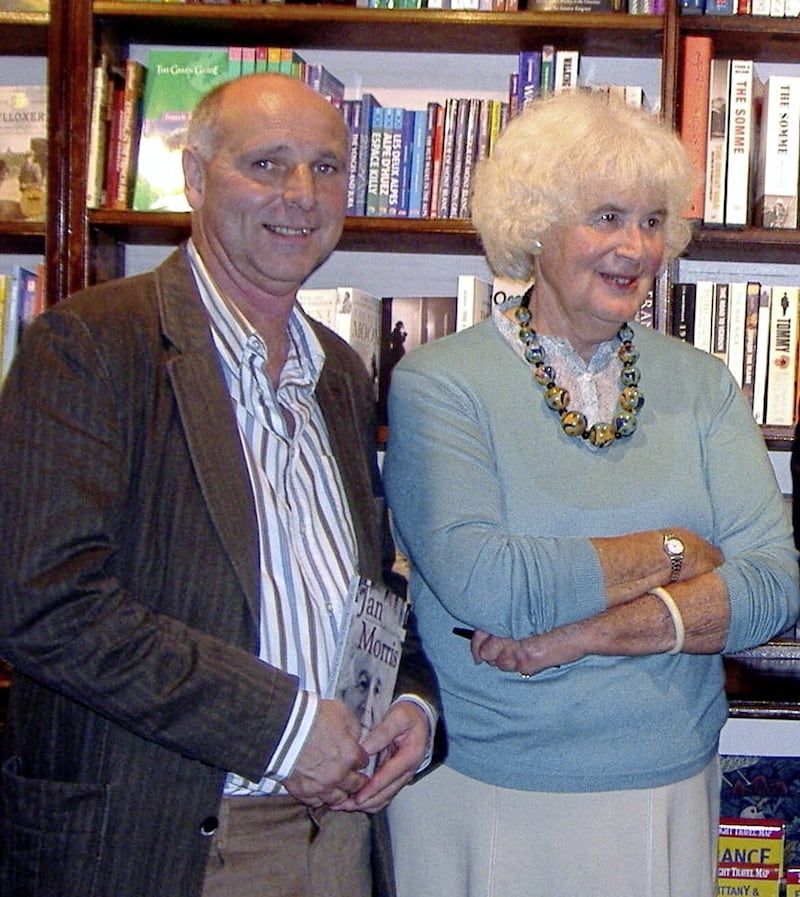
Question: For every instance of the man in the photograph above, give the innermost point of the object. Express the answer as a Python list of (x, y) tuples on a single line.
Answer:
[(189, 481)]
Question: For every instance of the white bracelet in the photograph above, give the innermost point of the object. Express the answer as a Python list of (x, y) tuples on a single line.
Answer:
[(677, 619)]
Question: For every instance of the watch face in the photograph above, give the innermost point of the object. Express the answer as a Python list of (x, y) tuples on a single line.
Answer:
[(673, 546)]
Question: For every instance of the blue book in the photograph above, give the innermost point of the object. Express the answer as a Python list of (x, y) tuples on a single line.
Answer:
[(416, 174), (529, 74), (394, 199), (407, 149), (368, 106), (374, 163)]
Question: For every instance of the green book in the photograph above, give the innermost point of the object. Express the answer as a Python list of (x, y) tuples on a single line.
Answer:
[(175, 81)]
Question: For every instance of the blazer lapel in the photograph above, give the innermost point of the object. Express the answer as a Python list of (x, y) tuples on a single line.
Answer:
[(205, 410)]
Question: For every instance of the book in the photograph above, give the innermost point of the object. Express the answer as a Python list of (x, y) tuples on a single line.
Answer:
[(751, 842), (683, 304), (394, 205), (741, 131), (408, 322), (129, 125), (365, 119), (698, 49), (437, 158), (416, 177), (703, 314), (529, 76), (474, 300), (779, 154), (719, 323), (782, 358), (7, 343), (748, 879), (737, 313), (792, 882), (23, 152), (751, 321), (566, 70), (448, 146), (351, 312), (762, 355), (18, 292), (547, 77), (368, 651), (372, 206), (98, 136), (717, 142), (176, 80)]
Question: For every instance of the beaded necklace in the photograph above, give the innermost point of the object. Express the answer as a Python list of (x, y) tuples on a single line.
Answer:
[(574, 423)]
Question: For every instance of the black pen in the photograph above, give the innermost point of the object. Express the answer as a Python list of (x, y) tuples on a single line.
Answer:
[(464, 633)]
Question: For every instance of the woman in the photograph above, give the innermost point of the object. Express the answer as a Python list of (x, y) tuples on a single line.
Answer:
[(605, 550)]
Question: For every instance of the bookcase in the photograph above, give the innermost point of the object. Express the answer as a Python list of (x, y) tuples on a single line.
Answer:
[(85, 246)]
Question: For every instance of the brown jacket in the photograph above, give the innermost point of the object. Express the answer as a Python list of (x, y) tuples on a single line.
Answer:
[(129, 592)]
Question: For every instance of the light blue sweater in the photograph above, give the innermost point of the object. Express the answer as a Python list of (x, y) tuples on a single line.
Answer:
[(494, 505)]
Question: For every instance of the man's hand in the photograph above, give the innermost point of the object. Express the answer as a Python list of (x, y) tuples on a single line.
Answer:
[(327, 770), (400, 740)]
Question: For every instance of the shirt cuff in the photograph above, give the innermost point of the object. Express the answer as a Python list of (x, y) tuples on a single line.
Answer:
[(298, 726), (433, 720)]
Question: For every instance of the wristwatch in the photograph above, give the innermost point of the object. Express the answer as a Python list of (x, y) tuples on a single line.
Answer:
[(674, 549)]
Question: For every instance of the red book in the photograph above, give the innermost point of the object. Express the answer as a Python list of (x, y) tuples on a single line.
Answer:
[(698, 50)]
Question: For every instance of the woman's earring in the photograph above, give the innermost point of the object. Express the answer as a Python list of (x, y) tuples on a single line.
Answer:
[(536, 248)]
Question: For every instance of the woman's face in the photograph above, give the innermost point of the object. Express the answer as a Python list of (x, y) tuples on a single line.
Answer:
[(594, 273)]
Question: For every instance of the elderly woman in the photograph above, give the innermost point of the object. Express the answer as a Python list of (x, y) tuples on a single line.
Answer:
[(594, 501)]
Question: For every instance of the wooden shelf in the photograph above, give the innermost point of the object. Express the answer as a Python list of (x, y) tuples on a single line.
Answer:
[(761, 38), (22, 236), (764, 683), (357, 28), (23, 33), (746, 244)]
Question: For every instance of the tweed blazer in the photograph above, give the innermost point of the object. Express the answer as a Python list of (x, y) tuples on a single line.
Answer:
[(129, 598)]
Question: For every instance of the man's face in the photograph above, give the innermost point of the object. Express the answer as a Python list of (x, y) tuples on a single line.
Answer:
[(270, 204)]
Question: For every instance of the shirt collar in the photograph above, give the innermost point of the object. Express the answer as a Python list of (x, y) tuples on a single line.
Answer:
[(234, 336)]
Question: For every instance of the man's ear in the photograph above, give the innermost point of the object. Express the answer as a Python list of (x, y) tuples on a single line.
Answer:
[(194, 176)]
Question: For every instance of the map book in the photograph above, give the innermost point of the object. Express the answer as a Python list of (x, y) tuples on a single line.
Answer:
[(175, 81), (368, 651), (23, 152)]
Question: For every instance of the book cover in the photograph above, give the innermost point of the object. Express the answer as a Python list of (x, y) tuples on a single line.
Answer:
[(19, 292), (374, 160), (753, 842), (351, 312), (98, 136), (720, 329), (365, 120), (23, 152), (176, 80), (747, 880), (782, 367), (737, 303), (741, 131), (129, 129), (751, 316), (474, 300), (408, 322), (698, 50), (703, 314), (779, 154), (683, 304), (717, 143), (762, 355), (793, 882), (368, 651), (566, 70)]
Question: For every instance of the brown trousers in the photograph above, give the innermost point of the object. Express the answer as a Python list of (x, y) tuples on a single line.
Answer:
[(276, 847)]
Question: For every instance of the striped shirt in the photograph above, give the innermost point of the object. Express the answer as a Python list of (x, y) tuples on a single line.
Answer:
[(307, 543)]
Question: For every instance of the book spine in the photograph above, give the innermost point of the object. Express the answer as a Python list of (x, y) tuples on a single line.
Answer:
[(395, 199), (762, 355), (459, 157), (566, 70), (694, 89), (752, 303), (683, 303), (779, 154), (547, 80), (782, 367), (448, 144), (374, 169), (719, 332), (385, 166), (740, 135), (130, 122), (368, 105), (98, 139), (703, 314), (418, 158), (717, 143), (529, 76), (737, 303)]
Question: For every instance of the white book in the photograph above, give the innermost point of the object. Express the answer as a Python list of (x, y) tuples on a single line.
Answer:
[(782, 357), (717, 149), (473, 302), (762, 356), (779, 154), (740, 142), (703, 314), (777, 8), (567, 62), (352, 313), (737, 305)]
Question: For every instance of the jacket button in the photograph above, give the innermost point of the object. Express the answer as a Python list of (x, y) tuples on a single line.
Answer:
[(208, 826)]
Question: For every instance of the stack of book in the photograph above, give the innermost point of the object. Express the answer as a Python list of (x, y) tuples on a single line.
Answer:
[(753, 328)]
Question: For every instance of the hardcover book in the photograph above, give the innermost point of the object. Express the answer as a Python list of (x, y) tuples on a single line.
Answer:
[(717, 143), (474, 300), (779, 154), (697, 52), (368, 652), (176, 80), (351, 312), (741, 133), (782, 368), (23, 152)]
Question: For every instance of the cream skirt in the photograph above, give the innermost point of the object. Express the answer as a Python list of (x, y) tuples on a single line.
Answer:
[(457, 837)]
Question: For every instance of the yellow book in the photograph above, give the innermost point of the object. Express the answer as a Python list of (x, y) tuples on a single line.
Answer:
[(751, 842), (741, 880)]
